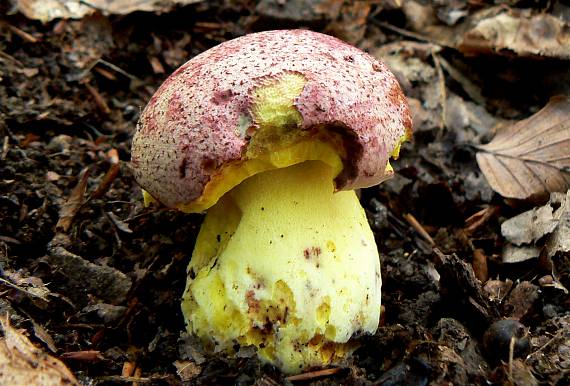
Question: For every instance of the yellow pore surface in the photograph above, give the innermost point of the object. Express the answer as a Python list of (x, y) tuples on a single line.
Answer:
[(285, 265), (276, 143)]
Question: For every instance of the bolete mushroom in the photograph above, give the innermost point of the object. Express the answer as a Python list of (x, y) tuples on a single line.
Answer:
[(271, 133)]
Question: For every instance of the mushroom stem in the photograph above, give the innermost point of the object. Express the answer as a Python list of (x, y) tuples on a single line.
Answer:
[(287, 266)]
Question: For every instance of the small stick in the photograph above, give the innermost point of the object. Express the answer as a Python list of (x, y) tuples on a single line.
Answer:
[(558, 335), (86, 356), (106, 182), (477, 220), (99, 101), (401, 31), (106, 73), (157, 67), (118, 378), (23, 34), (511, 356), (128, 369), (5, 146), (116, 68), (419, 228), (314, 374)]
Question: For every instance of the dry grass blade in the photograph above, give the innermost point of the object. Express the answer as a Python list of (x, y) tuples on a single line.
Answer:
[(532, 157)]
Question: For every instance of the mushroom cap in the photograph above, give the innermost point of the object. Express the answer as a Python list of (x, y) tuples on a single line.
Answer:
[(201, 119)]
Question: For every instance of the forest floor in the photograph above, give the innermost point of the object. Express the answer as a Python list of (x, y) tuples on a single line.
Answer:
[(93, 278)]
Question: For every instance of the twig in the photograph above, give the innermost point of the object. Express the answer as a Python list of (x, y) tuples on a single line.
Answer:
[(314, 374), (477, 220), (468, 86), (558, 335), (118, 69), (157, 67), (10, 284), (419, 228), (83, 356), (106, 182), (10, 58), (10, 240), (106, 73), (511, 356), (401, 31), (119, 378), (5, 146), (23, 34), (99, 101)]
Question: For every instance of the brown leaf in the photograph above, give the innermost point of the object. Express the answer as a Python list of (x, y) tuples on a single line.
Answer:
[(47, 10), (520, 33), (41, 333), (532, 157), (21, 363), (544, 229)]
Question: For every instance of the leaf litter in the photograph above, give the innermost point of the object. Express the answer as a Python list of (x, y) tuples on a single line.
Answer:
[(532, 157), (22, 363), (71, 94)]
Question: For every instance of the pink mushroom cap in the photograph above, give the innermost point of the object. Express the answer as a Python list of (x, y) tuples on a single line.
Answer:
[(189, 129)]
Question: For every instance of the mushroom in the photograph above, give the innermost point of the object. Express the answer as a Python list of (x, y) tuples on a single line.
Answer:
[(271, 133)]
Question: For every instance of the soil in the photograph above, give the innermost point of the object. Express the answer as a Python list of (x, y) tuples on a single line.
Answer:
[(95, 278)]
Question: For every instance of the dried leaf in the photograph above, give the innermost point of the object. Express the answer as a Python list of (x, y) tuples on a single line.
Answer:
[(532, 225), (546, 229), (32, 287), (73, 203), (560, 239), (22, 363), (532, 157), (521, 300), (520, 33), (47, 10), (41, 333), (513, 254)]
